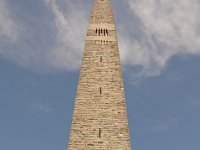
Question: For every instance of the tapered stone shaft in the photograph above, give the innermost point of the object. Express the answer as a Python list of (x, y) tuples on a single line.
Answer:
[(100, 117)]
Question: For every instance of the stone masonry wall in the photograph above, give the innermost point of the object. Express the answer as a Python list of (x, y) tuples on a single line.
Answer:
[(100, 118)]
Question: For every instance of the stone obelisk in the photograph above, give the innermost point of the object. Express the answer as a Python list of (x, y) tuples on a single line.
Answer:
[(100, 117)]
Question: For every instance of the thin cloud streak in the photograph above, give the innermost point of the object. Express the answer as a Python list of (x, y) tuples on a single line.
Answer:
[(195, 103), (8, 28), (42, 108), (153, 126), (165, 125)]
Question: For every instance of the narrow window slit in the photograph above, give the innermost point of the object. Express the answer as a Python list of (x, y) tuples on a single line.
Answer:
[(101, 58), (107, 32), (99, 133), (100, 90), (99, 32)]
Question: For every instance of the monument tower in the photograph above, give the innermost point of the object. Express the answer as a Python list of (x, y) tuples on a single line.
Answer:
[(100, 117)]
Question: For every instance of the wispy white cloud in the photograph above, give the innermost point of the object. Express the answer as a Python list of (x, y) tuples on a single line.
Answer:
[(195, 103), (70, 26), (156, 126), (42, 108), (53, 39), (166, 28), (8, 28), (164, 126)]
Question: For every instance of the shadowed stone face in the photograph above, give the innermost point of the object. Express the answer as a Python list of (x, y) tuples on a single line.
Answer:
[(100, 118)]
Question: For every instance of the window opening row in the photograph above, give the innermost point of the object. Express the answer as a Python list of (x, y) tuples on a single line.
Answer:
[(101, 32), (101, 42)]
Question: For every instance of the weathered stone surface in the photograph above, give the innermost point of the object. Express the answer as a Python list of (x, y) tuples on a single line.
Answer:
[(100, 118)]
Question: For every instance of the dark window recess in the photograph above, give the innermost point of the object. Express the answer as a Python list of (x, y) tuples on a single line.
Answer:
[(101, 59), (104, 32), (99, 32), (107, 32), (99, 133), (100, 90)]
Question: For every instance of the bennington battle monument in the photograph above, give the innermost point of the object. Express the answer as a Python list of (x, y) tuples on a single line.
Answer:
[(100, 118)]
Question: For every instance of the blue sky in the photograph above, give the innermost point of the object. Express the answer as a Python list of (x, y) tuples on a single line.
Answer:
[(41, 44)]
